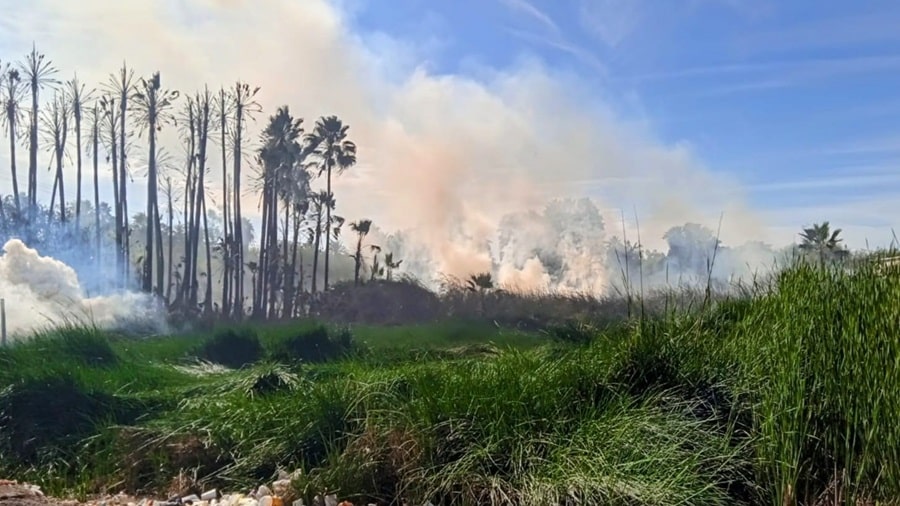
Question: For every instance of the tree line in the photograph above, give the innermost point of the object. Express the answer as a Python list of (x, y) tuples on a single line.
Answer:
[(122, 120)]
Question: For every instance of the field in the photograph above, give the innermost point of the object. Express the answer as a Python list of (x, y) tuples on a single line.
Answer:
[(788, 394)]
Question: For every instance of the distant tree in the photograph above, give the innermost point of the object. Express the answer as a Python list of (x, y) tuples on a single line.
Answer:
[(77, 96), (377, 268), (362, 228), (390, 265), (822, 242), (56, 121), (481, 283)]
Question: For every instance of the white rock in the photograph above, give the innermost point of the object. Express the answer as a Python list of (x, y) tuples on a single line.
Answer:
[(281, 487), (263, 491), (298, 502), (190, 498), (209, 495), (331, 500)]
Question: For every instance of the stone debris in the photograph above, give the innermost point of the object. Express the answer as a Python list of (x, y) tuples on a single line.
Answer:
[(15, 493)]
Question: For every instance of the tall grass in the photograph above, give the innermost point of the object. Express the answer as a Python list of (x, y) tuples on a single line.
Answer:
[(788, 393)]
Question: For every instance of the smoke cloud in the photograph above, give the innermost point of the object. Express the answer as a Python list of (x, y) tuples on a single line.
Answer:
[(466, 167), (42, 292)]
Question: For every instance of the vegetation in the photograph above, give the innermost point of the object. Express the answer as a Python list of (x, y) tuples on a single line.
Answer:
[(784, 395)]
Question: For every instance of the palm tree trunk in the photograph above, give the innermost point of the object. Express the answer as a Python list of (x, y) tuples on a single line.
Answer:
[(207, 306), (226, 246), (238, 224), (78, 166), (151, 207), (95, 151), (123, 174), (117, 197), (33, 146), (170, 245), (12, 163), (328, 227), (315, 265)]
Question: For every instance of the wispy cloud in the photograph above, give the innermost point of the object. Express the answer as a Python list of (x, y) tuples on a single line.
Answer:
[(610, 20), (843, 30), (530, 10), (585, 56), (824, 183)]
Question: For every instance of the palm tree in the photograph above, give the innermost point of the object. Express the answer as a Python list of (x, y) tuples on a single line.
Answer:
[(77, 98), (13, 94), (481, 284), (57, 128), (110, 112), (361, 228), (121, 87), (279, 158), (153, 106), (244, 107), (38, 72), (335, 153), (823, 242), (390, 265)]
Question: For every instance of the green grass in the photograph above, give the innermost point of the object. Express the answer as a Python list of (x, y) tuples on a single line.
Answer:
[(790, 395)]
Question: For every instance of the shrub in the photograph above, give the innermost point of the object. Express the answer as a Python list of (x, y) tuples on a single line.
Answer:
[(233, 348), (313, 345)]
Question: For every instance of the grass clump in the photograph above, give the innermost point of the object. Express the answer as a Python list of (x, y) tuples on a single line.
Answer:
[(233, 348)]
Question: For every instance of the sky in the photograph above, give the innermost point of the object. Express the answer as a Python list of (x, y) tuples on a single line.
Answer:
[(768, 116)]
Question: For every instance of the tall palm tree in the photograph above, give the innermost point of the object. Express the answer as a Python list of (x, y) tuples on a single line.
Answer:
[(223, 106), (153, 105), (56, 121), (361, 228), (13, 93), (335, 153), (77, 98), (244, 108), (823, 242), (38, 72), (122, 86), (279, 157)]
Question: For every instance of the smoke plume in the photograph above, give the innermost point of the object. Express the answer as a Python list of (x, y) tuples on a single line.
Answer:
[(42, 292), (467, 167)]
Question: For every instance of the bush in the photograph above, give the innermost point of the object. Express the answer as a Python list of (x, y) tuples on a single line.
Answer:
[(232, 348), (578, 333), (313, 345)]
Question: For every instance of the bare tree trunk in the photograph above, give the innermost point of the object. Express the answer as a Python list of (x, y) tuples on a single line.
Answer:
[(328, 226), (152, 214), (237, 218), (124, 93), (117, 197), (76, 111), (200, 201), (318, 237)]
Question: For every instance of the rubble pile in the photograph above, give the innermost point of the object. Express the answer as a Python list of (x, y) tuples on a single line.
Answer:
[(13, 493)]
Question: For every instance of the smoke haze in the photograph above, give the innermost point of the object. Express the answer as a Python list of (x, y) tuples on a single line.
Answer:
[(466, 166)]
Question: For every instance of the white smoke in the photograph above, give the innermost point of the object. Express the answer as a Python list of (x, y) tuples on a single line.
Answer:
[(41, 292)]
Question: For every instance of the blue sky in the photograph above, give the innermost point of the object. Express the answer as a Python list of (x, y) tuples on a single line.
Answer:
[(799, 100)]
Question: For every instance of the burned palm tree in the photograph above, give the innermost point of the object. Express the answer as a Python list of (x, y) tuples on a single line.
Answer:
[(377, 268), (153, 106), (13, 93), (38, 73), (335, 153)]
